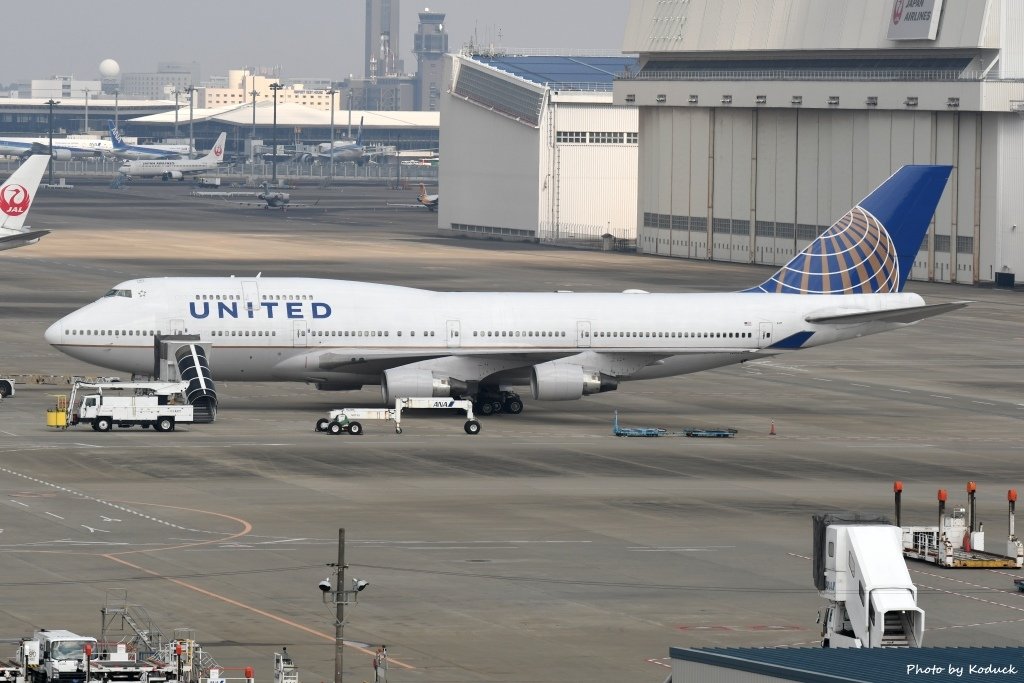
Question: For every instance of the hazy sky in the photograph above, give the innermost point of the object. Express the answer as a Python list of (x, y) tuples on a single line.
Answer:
[(321, 38)]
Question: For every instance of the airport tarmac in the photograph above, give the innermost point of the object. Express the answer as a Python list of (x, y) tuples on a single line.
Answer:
[(543, 549)]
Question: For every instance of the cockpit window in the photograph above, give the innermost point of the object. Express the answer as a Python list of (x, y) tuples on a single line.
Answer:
[(119, 292)]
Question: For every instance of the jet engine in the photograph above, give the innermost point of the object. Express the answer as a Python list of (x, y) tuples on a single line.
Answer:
[(173, 175), (403, 382), (58, 154), (566, 382)]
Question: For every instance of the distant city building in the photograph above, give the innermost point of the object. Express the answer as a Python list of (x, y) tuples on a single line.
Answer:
[(57, 86), (430, 46), (240, 83), (160, 84), (382, 52), (393, 93)]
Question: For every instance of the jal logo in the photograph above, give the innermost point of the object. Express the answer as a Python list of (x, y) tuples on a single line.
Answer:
[(14, 200), (897, 12)]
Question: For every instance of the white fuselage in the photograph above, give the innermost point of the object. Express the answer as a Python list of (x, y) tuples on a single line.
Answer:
[(135, 152), (345, 334), (76, 147), (146, 168)]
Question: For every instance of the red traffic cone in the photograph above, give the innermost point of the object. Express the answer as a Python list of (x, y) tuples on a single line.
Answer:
[(771, 432)]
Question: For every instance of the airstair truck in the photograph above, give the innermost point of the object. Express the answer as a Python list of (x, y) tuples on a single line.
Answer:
[(859, 568)]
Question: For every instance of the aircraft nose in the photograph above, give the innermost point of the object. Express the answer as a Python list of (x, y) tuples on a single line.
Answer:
[(54, 334)]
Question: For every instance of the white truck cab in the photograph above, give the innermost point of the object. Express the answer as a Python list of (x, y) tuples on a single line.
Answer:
[(60, 656)]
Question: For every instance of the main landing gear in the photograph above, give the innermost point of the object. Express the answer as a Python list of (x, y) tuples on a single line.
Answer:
[(493, 403)]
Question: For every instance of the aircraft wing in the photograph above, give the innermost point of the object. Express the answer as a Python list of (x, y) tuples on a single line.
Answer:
[(898, 315), (479, 363)]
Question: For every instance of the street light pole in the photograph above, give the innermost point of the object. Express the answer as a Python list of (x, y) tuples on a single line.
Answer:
[(252, 140), (176, 93), (339, 616), (348, 134), (191, 89), (51, 102), (273, 159), (332, 92), (86, 91)]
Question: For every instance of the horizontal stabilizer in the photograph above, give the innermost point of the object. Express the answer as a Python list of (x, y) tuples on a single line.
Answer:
[(896, 315), (25, 236)]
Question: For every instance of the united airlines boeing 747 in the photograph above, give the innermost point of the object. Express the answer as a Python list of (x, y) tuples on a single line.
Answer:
[(338, 334)]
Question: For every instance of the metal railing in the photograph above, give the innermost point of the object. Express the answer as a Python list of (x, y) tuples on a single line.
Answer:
[(583, 236), (803, 75), (578, 87), (239, 172), (505, 51)]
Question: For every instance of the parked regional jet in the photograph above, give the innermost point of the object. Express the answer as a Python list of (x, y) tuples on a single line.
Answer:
[(351, 150), (275, 199), (427, 200), (175, 169), (123, 150), (412, 342), (16, 197)]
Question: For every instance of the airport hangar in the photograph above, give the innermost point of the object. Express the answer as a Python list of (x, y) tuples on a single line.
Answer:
[(761, 122), (534, 149)]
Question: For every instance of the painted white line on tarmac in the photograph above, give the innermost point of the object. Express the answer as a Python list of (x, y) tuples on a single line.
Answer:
[(900, 391), (53, 515)]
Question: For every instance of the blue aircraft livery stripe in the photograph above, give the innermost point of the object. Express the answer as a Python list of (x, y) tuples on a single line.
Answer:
[(793, 341)]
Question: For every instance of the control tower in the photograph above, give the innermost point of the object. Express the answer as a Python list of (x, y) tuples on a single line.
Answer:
[(431, 44)]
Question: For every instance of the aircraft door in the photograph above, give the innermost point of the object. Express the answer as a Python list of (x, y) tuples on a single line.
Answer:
[(583, 334), (251, 295), (301, 334), (177, 326), (764, 335), (454, 334)]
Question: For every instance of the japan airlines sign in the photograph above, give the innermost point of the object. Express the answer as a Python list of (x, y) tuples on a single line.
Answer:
[(914, 19), (14, 200)]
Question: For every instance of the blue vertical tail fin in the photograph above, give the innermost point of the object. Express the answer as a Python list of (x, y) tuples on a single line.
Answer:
[(872, 248), (115, 136), (359, 133)]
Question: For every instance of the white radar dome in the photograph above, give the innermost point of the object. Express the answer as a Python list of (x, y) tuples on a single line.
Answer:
[(109, 68)]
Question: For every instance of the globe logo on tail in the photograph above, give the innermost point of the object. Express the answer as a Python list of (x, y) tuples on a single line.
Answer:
[(854, 256), (14, 200)]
